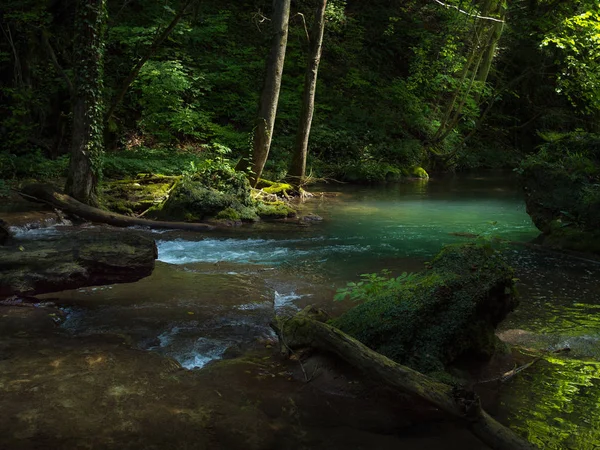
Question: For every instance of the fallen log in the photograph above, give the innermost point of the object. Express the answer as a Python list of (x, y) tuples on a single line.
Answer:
[(47, 194), (77, 260), (302, 331)]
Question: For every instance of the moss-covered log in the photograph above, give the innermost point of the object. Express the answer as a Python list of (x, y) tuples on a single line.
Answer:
[(68, 204), (303, 331), (448, 311), (90, 259)]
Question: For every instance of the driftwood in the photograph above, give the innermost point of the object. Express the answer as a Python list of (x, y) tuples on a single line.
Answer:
[(303, 331), (80, 259), (47, 194)]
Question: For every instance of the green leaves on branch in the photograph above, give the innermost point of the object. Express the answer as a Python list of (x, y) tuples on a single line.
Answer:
[(577, 44), (372, 285)]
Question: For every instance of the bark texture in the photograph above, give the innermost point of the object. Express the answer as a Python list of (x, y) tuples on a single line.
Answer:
[(297, 171), (86, 142), (265, 123), (302, 331), (93, 259)]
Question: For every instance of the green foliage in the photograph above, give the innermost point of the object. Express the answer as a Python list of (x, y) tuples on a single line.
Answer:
[(164, 161), (371, 285), (562, 182), (577, 43), (168, 96), (32, 165)]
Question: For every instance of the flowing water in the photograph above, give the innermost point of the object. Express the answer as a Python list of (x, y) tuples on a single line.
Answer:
[(216, 293)]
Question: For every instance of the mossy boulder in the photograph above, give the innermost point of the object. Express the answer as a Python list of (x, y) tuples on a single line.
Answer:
[(136, 195), (419, 172), (275, 210), (562, 192), (448, 311), (193, 200)]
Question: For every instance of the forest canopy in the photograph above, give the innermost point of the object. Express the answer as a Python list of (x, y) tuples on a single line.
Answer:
[(402, 84)]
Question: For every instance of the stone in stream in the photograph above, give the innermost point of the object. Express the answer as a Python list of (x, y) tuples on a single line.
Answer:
[(73, 261)]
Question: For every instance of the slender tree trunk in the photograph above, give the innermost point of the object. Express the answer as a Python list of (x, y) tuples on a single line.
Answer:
[(86, 143), (263, 131), (486, 35), (297, 171), (495, 34)]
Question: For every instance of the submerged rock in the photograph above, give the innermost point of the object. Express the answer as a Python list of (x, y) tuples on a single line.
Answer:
[(68, 262), (446, 312)]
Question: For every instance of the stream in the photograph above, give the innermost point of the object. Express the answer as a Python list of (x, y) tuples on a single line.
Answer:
[(213, 295)]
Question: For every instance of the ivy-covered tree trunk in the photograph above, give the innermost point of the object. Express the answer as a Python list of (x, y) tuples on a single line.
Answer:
[(86, 142), (297, 171), (265, 123)]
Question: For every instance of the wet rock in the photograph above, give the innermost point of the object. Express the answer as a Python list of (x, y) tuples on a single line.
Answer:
[(77, 260)]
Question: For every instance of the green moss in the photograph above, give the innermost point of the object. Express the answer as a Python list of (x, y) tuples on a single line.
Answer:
[(193, 199), (228, 214), (134, 196), (445, 312), (274, 187), (275, 210), (419, 172)]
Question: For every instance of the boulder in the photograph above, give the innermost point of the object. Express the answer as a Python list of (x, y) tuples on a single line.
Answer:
[(73, 261)]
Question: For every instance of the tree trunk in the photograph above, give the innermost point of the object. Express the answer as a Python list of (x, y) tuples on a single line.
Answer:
[(86, 142), (495, 34), (68, 204), (297, 171), (304, 331), (265, 123)]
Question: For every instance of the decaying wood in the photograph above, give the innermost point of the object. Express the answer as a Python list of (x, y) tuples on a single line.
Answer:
[(303, 330), (69, 205)]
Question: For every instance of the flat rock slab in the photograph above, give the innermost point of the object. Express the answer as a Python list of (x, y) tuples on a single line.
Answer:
[(73, 261)]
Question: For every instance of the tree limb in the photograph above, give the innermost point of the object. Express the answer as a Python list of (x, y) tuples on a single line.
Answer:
[(56, 64), (493, 19), (151, 51)]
